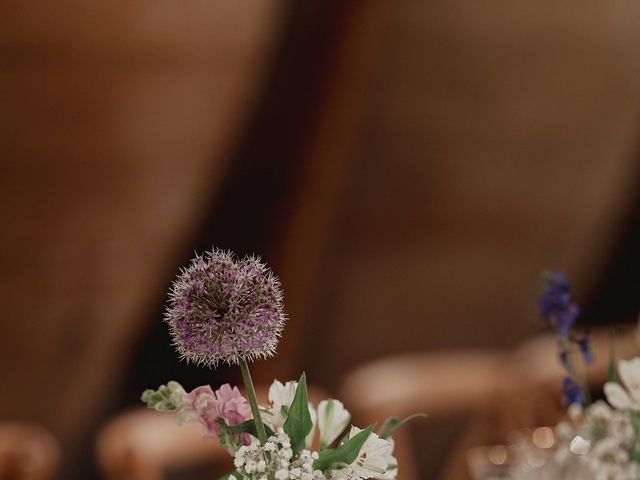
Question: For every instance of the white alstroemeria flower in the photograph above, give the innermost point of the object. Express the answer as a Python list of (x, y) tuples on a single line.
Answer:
[(333, 418), (375, 459), (627, 398), (280, 399), (280, 395), (392, 463)]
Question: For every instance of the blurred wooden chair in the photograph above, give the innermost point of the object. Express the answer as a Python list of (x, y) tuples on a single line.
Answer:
[(442, 385), (144, 444), (27, 452)]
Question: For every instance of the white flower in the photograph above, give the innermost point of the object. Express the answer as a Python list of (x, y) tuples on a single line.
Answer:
[(610, 460), (375, 459), (314, 420), (280, 399), (250, 466), (255, 462), (333, 418), (629, 398), (392, 463), (280, 395), (599, 412), (579, 446), (282, 474), (285, 453), (342, 474)]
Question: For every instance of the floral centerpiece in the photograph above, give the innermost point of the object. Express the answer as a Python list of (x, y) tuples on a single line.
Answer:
[(227, 310), (599, 440)]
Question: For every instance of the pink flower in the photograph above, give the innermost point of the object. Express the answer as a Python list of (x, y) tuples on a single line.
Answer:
[(209, 408), (201, 404), (233, 407)]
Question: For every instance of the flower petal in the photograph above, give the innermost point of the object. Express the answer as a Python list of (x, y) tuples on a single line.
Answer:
[(579, 446), (630, 375), (372, 461), (282, 394), (333, 418), (617, 396)]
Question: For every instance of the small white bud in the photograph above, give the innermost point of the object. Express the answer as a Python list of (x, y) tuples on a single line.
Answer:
[(579, 446)]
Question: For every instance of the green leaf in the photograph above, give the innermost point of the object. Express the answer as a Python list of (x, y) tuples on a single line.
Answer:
[(612, 369), (298, 423), (162, 398), (284, 411), (345, 453), (392, 424), (248, 426)]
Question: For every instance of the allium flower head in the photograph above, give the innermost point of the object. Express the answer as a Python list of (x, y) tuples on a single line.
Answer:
[(224, 309)]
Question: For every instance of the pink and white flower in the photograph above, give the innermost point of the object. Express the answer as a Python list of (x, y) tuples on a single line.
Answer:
[(210, 408)]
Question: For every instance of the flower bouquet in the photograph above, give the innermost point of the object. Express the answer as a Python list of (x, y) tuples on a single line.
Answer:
[(598, 440), (224, 309)]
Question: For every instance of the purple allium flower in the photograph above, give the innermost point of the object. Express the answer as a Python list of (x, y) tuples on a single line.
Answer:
[(555, 303), (224, 309)]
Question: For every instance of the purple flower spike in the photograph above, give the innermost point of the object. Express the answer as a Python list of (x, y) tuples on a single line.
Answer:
[(224, 309), (585, 348), (572, 392), (555, 303)]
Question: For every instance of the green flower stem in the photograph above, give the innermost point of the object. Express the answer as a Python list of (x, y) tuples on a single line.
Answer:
[(253, 401)]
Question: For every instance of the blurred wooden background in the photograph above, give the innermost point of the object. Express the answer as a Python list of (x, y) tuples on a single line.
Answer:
[(117, 118), (498, 139), (444, 153)]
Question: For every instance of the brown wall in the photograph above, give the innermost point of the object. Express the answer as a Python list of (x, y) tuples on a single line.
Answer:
[(499, 138), (115, 120)]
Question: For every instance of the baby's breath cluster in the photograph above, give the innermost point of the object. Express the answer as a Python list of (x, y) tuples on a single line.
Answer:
[(255, 462), (224, 309), (599, 440)]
